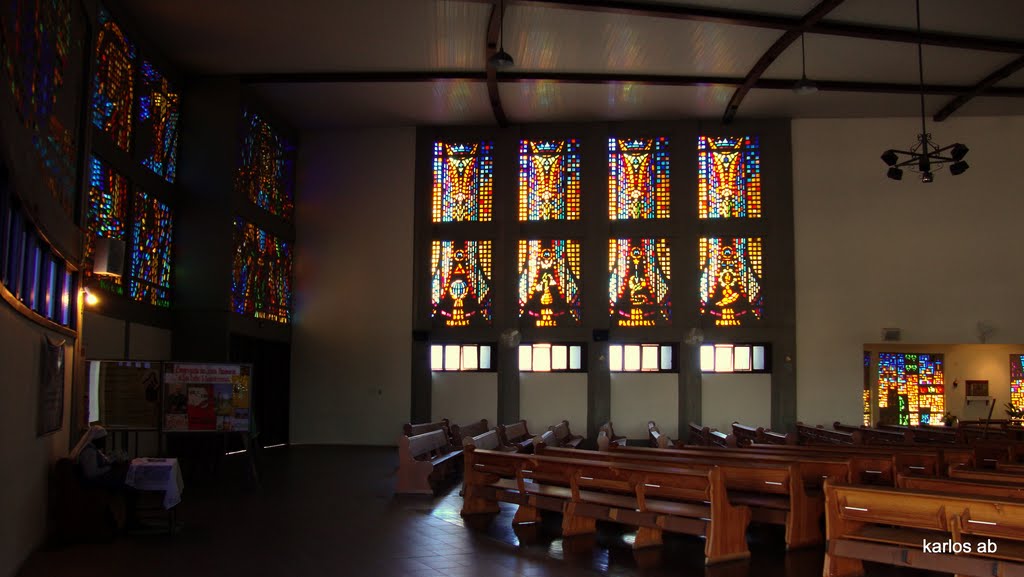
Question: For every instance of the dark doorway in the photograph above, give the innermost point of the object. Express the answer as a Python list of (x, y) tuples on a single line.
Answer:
[(271, 385)]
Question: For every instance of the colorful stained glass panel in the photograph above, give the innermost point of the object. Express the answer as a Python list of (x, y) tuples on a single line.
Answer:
[(549, 180), (113, 82), (266, 168), (639, 290), (730, 280), (549, 282), (728, 177), (152, 236), (108, 204), (463, 182), (158, 122), (911, 388), (638, 178), (262, 275), (461, 282), (1017, 381)]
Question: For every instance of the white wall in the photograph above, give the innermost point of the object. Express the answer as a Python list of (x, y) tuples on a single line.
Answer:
[(725, 398), (351, 343), (545, 399), (103, 338), (464, 398), (25, 458), (639, 398), (932, 259)]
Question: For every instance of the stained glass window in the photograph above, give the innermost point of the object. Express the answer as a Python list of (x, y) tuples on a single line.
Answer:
[(549, 180), (867, 389), (152, 235), (158, 122), (461, 282), (1017, 380), (35, 49), (262, 274), (728, 177), (549, 282), (266, 169), (463, 181), (108, 204), (730, 280), (639, 292), (911, 388), (113, 82), (638, 178)]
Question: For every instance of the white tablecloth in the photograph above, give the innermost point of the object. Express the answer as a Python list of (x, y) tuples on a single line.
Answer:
[(149, 474)]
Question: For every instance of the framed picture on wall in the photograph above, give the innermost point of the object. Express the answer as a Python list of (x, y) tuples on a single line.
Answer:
[(977, 388), (51, 388)]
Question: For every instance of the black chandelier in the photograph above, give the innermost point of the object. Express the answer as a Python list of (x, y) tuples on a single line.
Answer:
[(925, 156)]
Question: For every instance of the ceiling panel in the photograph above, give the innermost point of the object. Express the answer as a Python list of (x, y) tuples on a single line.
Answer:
[(856, 59), (556, 101), (255, 36), (1015, 80), (784, 103), (996, 18), (380, 104), (788, 8), (545, 39)]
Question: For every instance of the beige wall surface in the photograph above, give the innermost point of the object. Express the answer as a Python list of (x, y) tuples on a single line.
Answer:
[(639, 398), (932, 259), (728, 397), (545, 399), (464, 398)]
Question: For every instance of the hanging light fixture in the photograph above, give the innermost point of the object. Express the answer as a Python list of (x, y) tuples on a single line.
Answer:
[(501, 59), (925, 156), (804, 86)]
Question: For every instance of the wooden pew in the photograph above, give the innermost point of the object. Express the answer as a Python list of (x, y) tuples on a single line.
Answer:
[(871, 436), (720, 439), (610, 432), (819, 435), (471, 430), (516, 434), (914, 459), (775, 492), (865, 467), (425, 461), (997, 476), (698, 435), (891, 526), (410, 429), (961, 486), (563, 436), (746, 434), (773, 438), (926, 433), (584, 491), (656, 438), (490, 441)]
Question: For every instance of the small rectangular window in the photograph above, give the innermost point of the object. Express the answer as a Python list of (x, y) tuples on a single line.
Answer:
[(648, 357), (547, 357), (474, 357), (730, 358)]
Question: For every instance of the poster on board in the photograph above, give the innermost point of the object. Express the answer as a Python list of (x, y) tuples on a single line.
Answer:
[(206, 397), (124, 394)]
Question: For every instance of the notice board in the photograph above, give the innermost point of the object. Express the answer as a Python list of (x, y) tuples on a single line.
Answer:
[(207, 397)]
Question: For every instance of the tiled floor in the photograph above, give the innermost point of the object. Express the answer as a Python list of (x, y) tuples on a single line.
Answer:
[(326, 511)]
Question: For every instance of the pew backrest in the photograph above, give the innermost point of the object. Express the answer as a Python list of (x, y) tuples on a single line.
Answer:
[(413, 429), (515, 433), (471, 430)]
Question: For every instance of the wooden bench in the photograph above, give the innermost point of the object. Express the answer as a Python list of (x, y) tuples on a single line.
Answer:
[(891, 526), (424, 462), (490, 441), (411, 430), (564, 437), (819, 435), (774, 438), (961, 486), (610, 432), (775, 492), (656, 438), (585, 491), (698, 435), (720, 439), (872, 436), (516, 434), (926, 433), (915, 459), (471, 430), (866, 468), (745, 434)]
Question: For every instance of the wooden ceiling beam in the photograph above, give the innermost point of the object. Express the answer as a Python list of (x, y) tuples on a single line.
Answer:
[(979, 89), (773, 52)]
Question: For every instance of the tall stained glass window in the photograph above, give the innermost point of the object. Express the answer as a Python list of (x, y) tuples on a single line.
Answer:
[(911, 388), (549, 180), (463, 182), (1017, 380), (113, 82), (730, 280), (152, 236), (638, 178), (108, 204), (262, 274), (866, 398), (158, 122), (549, 282), (728, 177), (461, 282), (638, 288), (266, 168)]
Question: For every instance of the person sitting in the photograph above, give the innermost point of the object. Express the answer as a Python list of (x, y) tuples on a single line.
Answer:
[(101, 470)]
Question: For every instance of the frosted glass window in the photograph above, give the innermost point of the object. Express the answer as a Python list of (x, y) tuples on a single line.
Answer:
[(451, 358), (666, 358), (631, 358), (436, 358), (759, 358), (474, 357), (741, 358), (649, 358), (559, 358), (723, 358), (469, 358), (525, 358), (485, 357), (541, 358), (615, 357), (575, 358), (707, 358)]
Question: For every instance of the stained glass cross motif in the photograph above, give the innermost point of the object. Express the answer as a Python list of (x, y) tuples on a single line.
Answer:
[(638, 178), (549, 180), (728, 177), (463, 182)]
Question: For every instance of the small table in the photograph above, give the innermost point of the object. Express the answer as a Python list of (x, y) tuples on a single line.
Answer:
[(152, 474)]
